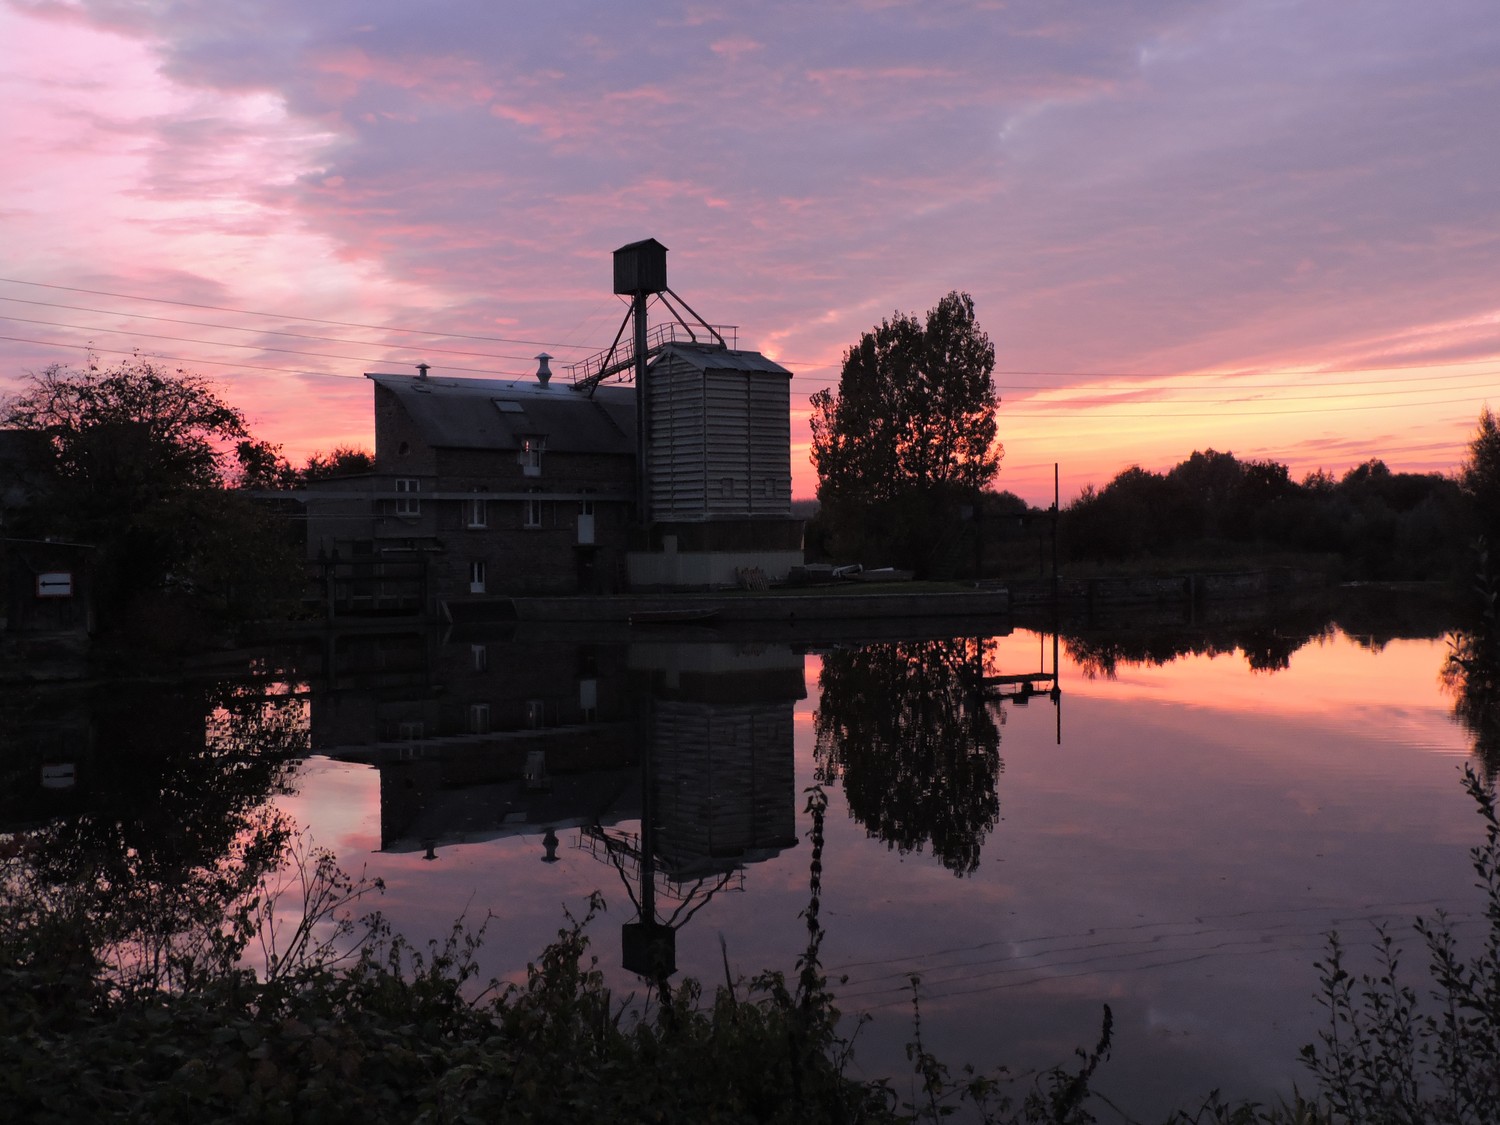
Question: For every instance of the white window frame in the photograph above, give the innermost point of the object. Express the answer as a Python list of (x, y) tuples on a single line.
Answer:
[(410, 504), (479, 718), (481, 655), (586, 525), (476, 576), (531, 512), (476, 513), (532, 448)]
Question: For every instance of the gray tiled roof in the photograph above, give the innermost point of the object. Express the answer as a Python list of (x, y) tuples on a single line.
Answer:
[(499, 413)]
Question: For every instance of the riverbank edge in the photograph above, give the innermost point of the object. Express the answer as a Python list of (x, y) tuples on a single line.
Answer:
[(845, 604), (735, 606), (31, 659)]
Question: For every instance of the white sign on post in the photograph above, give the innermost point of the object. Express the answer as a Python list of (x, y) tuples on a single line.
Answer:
[(56, 584)]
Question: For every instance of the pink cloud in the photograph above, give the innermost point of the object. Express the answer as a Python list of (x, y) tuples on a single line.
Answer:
[(1158, 188), (735, 46)]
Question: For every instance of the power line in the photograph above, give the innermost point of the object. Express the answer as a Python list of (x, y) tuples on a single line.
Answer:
[(247, 347), (1157, 407), (1112, 398), (1240, 413), (304, 319), (1247, 386), (804, 365), (1240, 374), (521, 375), (1480, 381), (91, 347), (1065, 409), (262, 331)]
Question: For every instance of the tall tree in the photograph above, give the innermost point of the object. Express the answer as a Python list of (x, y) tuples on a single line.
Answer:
[(910, 435), (1480, 478), (341, 460), (262, 465), (133, 459)]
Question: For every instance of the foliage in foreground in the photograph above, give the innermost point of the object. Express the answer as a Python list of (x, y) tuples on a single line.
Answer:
[(390, 1034), (1390, 1057), (384, 1032)]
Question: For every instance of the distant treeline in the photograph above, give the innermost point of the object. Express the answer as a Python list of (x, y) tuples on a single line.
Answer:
[(1381, 524)]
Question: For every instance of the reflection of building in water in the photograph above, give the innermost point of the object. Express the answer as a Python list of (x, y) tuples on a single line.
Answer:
[(720, 732), (476, 740), (482, 738), (515, 783), (477, 735)]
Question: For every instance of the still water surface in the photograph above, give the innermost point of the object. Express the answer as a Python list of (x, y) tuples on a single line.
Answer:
[(1172, 837)]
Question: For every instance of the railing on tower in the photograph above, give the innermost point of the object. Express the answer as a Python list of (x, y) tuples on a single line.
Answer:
[(619, 359)]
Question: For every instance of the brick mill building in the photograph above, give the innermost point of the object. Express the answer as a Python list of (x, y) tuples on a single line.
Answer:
[(486, 487)]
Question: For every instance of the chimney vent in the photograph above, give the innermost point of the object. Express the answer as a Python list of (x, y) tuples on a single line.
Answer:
[(422, 369), (543, 372)]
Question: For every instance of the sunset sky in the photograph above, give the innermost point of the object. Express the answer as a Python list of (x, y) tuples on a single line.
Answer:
[(1264, 226)]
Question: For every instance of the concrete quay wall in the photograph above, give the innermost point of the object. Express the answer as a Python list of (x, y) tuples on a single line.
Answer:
[(771, 607), (1149, 590)]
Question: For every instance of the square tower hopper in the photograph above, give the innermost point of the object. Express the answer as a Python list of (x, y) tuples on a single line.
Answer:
[(641, 267)]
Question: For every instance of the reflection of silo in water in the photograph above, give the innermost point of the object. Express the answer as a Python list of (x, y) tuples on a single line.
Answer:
[(722, 774), (724, 784)]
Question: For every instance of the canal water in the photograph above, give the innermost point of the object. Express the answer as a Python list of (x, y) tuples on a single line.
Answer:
[(1166, 820)]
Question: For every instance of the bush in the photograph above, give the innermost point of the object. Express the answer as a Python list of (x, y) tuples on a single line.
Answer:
[(1388, 1057)]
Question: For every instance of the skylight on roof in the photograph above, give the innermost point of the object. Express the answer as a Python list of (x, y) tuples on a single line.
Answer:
[(508, 406)]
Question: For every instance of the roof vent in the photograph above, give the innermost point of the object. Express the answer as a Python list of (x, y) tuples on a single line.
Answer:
[(422, 369), (543, 372)]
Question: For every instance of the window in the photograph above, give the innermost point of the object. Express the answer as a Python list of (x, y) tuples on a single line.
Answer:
[(481, 654), (479, 718), (531, 512), (476, 576), (476, 514), (408, 504), (410, 731), (530, 456), (586, 522), (536, 714)]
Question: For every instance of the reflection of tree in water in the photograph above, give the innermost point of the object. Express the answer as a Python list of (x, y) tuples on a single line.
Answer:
[(171, 825), (1099, 658), (1368, 617), (1269, 650), (1266, 648), (1472, 674), (906, 727)]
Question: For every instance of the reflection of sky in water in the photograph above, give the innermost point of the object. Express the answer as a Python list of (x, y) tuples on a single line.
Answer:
[(1179, 856)]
